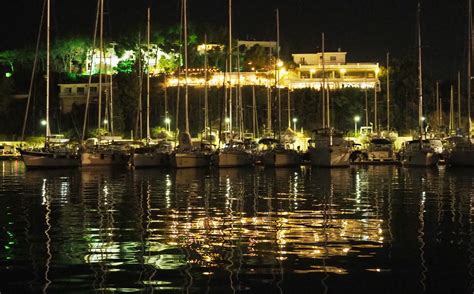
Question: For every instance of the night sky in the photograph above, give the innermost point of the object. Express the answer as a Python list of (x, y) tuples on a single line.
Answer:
[(367, 29)]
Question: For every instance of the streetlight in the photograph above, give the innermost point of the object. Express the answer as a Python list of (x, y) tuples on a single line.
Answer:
[(356, 120), (294, 123), (168, 124), (43, 122)]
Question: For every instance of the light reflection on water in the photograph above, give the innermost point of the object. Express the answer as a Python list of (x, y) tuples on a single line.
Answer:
[(376, 229)]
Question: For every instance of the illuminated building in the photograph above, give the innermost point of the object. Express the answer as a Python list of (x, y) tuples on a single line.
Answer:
[(307, 74), (338, 72), (203, 48), (71, 94)]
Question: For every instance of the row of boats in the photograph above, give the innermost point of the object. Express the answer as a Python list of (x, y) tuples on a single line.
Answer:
[(328, 148)]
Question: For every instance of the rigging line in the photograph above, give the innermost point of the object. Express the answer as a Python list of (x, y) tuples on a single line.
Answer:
[(94, 39), (35, 62)]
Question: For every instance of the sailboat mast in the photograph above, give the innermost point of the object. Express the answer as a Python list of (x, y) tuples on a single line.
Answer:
[(148, 136), (33, 71), (101, 52), (420, 75), (278, 70), (186, 102), (239, 110), (328, 107), (451, 111), (375, 108), (94, 39), (269, 108), (366, 105), (254, 111), (469, 65), (325, 124), (111, 91), (48, 65), (178, 88), (289, 105), (438, 112), (459, 99), (206, 94), (140, 88), (230, 65), (388, 91)]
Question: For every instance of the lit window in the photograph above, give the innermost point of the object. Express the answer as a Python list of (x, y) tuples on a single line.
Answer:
[(333, 58), (305, 74)]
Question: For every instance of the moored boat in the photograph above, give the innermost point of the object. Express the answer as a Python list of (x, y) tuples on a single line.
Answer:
[(49, 157), (330, 149), (113, 154), (233, 155), (460, 152), (420, 153), (276, 155), (379, 150), (151, 155), (57, 152), (187, 156)]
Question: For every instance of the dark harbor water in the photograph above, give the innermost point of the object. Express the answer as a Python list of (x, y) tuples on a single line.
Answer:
[(377, 229)]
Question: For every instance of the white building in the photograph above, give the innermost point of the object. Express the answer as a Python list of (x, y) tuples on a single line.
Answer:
[(71, 94), (338, 72)]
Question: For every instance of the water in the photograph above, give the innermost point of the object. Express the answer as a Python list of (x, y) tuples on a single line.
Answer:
[(377, 229)]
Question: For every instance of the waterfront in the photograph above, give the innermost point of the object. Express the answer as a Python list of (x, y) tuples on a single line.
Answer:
[(377, 229)]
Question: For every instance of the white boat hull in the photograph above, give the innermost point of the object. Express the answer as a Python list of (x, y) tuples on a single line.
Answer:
[(152, 159), (330, 156), (49, 160), (281, 159), (189, 160), (461, 157), (104, 159), (420, 158), (381, 155), (232, 159)]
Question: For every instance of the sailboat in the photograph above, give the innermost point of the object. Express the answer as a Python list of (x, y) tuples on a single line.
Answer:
[(330, 149), (100, 152), (461, 148), (277, 154), (379, 145), (150, 155), (419, 151), (233, 154), (55, 153), (185, 155)]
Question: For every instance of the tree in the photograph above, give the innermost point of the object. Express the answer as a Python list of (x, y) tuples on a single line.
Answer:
[(70, 55)]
